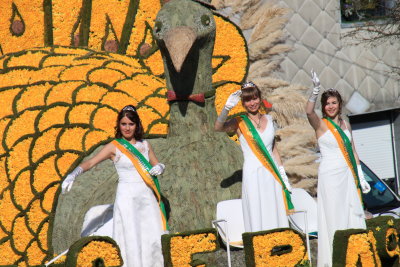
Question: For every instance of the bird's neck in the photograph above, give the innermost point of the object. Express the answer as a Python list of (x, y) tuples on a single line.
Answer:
[(196, 123)]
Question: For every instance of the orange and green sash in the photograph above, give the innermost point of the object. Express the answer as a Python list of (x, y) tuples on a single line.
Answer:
[(346, 147), (143, 167), (258, 147)]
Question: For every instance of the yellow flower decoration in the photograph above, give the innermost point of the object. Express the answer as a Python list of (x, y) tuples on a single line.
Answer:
[(33, 96), (159, 128), (28, 59), (72, 139), (46, 92), (22, 190), (58, 60), (264, 244), (124, 68), (36, 215), (32, 36), (93, 138), (25, 121), (81, 113), (229, 42), (105, 119), (8, 217), (65, 161), (391, 234), (52, 116), (143, 85), (98, 249), (372, 240), (43, 235), (107, 76), (118, 100), (48, 198), (45, 143), (160, 102), (359, 248), (8, 255), (45, 174), (78, 72), (91, 93), (19, 158), (36, 253), (62, 92), (3, 175), (20, 242), (155, 63), (6, 101), (183, 247), (147, 116)]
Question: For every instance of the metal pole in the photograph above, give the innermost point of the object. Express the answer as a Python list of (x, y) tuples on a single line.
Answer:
[(394, 149), (56, 258), (307, 236)]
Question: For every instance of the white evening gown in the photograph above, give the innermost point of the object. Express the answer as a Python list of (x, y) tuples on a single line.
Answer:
[(137, 219), (339, 206), (262, 198)]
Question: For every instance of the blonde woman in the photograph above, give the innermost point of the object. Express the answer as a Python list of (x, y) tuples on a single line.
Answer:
[(265, 187)]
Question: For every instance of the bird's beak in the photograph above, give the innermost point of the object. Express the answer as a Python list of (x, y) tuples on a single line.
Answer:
[(178, 42)]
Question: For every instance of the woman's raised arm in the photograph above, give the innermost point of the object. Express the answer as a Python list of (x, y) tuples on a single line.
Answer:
[(312, 117), (221, 125)]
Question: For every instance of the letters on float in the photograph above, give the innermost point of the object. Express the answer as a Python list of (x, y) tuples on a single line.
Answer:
[(376, 246)]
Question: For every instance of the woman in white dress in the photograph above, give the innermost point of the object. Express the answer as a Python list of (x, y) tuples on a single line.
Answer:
[(265, 187), (138, 220), (340, 178)]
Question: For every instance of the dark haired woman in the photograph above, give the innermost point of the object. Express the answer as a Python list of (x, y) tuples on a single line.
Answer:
[(265, 187), (138, 216), (340, 178)]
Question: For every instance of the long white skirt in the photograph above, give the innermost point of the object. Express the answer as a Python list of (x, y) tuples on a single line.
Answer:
[(137, 225), (339, 207), (262, 200)]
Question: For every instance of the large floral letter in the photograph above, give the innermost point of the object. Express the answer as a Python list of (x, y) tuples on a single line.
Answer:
[(277, 247)]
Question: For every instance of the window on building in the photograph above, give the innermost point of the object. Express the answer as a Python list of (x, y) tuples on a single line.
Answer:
[(360, 11)]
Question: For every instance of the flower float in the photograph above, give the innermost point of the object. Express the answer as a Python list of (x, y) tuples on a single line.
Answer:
[(59, 101), (277, 247), (353, 247), (178, 249)]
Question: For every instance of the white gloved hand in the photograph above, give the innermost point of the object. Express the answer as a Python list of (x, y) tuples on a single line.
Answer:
[(69, 180), (315, 80), (157, 169), (233, 100), (365, 187), (314, 95), (285, 178)]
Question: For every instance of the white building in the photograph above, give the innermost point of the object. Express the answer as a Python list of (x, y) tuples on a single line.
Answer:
[(316, 31)]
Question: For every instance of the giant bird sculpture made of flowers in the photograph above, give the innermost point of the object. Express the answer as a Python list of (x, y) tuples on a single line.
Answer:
[(66, 70)]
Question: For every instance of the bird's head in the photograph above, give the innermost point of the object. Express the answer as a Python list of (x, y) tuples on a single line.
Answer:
[(185, 33)]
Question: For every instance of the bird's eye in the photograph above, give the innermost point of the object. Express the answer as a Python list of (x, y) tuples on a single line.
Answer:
[(157, 26), (205, 20)]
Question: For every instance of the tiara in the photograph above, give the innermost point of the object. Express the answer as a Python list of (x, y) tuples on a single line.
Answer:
[(248, 84), (129, 108), (332, 90)]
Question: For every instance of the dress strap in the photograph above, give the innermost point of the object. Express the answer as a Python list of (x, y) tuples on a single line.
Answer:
[(345, 124)]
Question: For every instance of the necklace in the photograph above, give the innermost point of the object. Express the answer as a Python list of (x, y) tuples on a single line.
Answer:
[(258, 124)]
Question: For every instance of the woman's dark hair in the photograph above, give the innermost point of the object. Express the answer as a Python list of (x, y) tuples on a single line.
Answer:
[(129, 111), (324, 99)]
